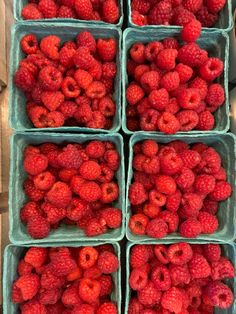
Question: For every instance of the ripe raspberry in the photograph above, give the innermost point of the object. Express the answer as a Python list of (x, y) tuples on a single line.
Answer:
[(29, 210), (108, 262), (86, 39), (28, 286), (150, 81), (24, 79), (90, 192), (190, 228), (90, 170), (185, 179), (50, 78), (171, 219), (107, 307), (192, 55), (215, 6), (160, 276), (96, 90), (165, 184), (180, 253), (188, 120), (157, 228), (150, 148), (138, 279), (137, 53), (159, 99), (192, 203), (149, 295), (211, 69), (95, 149), (97, 121), (179, 274), (138, 224), (191, 31), (88, 257), (221, 192), (215, 95), (38, 227), (60, 194), (106, 285), (170, 81), (29, 44), (83, 78), (137, 193), (69, 87), (53, 214), (32, 192), (219, 294), (206, 18), (107, 49), (209, 223), (24, 268), (52, 100), (70, 157), (33, 306), (161, 13), (48, 8), (170, 43), (49, 45), (84, 9), (199, 267), (172, 300), (168, 123), (36, 256), (107, 107), (222, 269), (93, 227), (166, 58), (204, 184), (112, 217), (152, 49), (35, 164), (189, 98), (109, 70), (212, 252), (134, 306), (192, 5), (62, 263), (110, 11), (185, 72), (181, 16), (66, 12), (171, 163), (173, 201), (151, 210), (83, 58), (89, 290), (141, 6), (139, 255), (31, 12), (134, 93), (55, 119)]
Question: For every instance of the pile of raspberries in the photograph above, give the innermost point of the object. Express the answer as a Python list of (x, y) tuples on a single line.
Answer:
[(175, 12), (74, 184), (176, 187), (68, 84), (179, 278), (66, 280), (171, 85), (98, 10)]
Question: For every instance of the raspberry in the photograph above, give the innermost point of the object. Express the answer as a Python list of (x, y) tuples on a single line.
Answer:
[(168, 123), (192, 5), (138, 224), (24, 268), (31, 12), (138, 279), (88, 257), (89, 290), (159, 99), (151, 210), (90, 170), (148, 120), (110, 11), (55, 119), (170, 43), (173, 201), (77, 209), (36, 256), (32, 192), (106, 285), (150, 148), (190, 228), (157, 228), (209, 223), (212, 252), (62, 263), (189, 98), (49, 45), (211, 161), (48, 8), (211, 69), (95, 149), (53, 214), (185, 179), (199, 267), (160, 252), (97, 121), (108, 262), (110, 192), (150, 81), (29, 44), (107, 307), (219, 294), (60, 194), (149, 295), (191, 203), (33, 306), (188, 120), (28, 286), (107, 49), (179, 274), (134, 93), (137, 53), (222, 269), (172, 300), (93, 227), (137, 193), (139, 256), (52, 100), (109, 70), (96, 90), (90, 192), (206, 18), (192, 55), (170, 81), (160, 276), (107, 107), (141, 6), (38, 227), (112, 217), (49, 297), (29, 210), (161, 13), (70, 88), (215, 6), (181, 16), (215, 95), (83, 78), (185, 72), (171, 163), (35, 164), (171, 219), (68, 109), (204, 183), (83, 58), (83, 114), (86, 39), (221, 192), (70, 157), (166, 58), (134, 306), (165, 184), (180, 253), (24, 79), (191, 31), (138, 18), (50, 78), (84, 9), (66, 12), (152, 49)]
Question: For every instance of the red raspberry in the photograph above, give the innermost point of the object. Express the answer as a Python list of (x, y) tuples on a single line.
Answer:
[(28, 286), (160, 276), (106, 285), (83, 78), (161, 13), (190, 158), (166, 58), (48, 8), (180, 253), (38, 116), (52, 100), (179, 274), (60, 194), (134, 93), (109, 70), (35, 164), (93, 227), (24, 79), (29, 210), (160, 252), (139, 255), (173, 201), (157, 228), (199, 267), (138, 18), (89, 290), (181, 16), (107, 107), (70, 296), (200, 85), (165, 184), (134, 306), (191, 31), (192, 5), (38, 227), (215, 6), (172, 300), (36, 256), (95, 149), (222, 269), (70, 157), (33, 306), (108, 263), (211, 69), (211, 161), (170, 43), (62, 263), (221, 192), (70, 88), (110, 11), (171, 219), (192, 55), (170, 81), (185, 179), (88, 257), (54, 214), (168, 123), (138, 224), (151, 210), (110, 192), (49, 45), (141, 6), (49, 297), (50, 78), (84, 9), (96, 90), (50, 281), (83, 114), (148, 120), (77, 209), (219, 294), (149, 81), (138, 279), (83, 58), (90, 191), (150, 148), (137, 53), (212, 252), (215, 95), (107, 49), (107, 307), (68, 109), (86, 39), (191, 203), (190, 228), (97, 121), (185, 72), (206, 18), (204, 183), (24, 268), (159, 99), (137, 193), (171, 163), (66, 12), (152, 49), (90, 170), (29, 44), (55, 119), (149, 295), (189, 98), (112, 217), (188, 120), (31, 12), (209, 223)]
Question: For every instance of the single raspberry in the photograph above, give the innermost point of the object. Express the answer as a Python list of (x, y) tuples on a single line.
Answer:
[(110, 11), (215, 6), (160, 276), (29, 210), (157, 198), (90, 191), (192, 55), (138, 18), (170, 43), (209, 223), (171, 163), (50, 78), (36, 256), (168, 123), (161, 13), (191, 31), (24, 79), (180, 253), (60, 194), (86, 39), (107, 107), (137, 53), (165, 184), (83, 58), (84, 9), (95, 149), (83, 114), (170, 81), (172, 300), (106, 285), (159, 99), (151, 210), (150, 81), (112, 217), (70, 157), (32, 192), (90, 170), (150, 148), (89, 290), (62, 263), (83, 78), (53, 214), (161, 253), (149, 295), (31, 12), (199, 267), (152, 49), (157, 228), (24, 268), (185, 179), (206, 18), (190, 158), (134, 93), (148, 120), (29, 44), (137, 193), (138, 224), (107, 307), (68, 109), (50, 45), (66, 12), (201, 85), (212, 252), (190, 228), (109, 70), (173, 201), (215, 95), (192, 5), (107, 49), (33, 306), (171, 219), (181, 16), (204, 184), (35, 164), (191, 204), (108, 263), (189, 98), (38, 227), (179, 274), (55, 119), (110, 192), (49, 297), (93, 227), (69, 87), (28, 286), (219, 294), (211, 69), (48, 8), (166, 59), (141, 6), (52, 100), (188, 120), (222, 269), (97, 121), (221, 192), (185, 72), (138, 279), (88, 257), (96, 90), (139, 255)]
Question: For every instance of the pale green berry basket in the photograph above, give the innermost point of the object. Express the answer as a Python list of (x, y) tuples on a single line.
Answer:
[(225, 21), (18, 118), (225, 145), (217, 43), (14, 253), (228, 250), (17, 198), (19, 4)]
